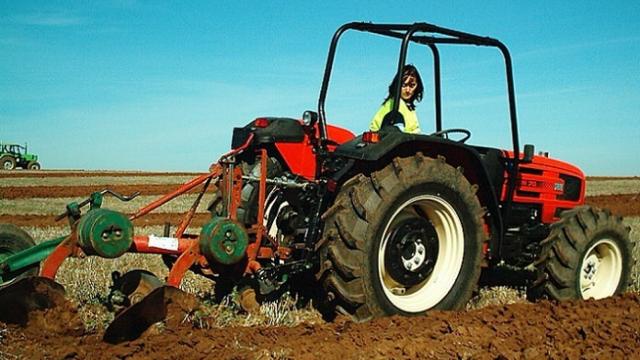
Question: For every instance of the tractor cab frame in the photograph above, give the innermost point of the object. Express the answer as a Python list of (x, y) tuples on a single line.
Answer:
[(433, 36)]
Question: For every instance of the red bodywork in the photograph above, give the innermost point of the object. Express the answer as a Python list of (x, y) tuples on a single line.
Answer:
[(300, 157), (540, 182)]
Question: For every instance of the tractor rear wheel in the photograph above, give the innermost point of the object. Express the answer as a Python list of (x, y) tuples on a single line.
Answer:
[(8, 162), (587, 255), (404, 240), (12, 241)]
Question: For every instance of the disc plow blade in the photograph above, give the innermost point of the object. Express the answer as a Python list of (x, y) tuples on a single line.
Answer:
[(19, 299), (166, 303)]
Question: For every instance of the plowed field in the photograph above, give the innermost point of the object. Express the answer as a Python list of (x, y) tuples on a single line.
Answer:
[(608, 328), (570, 330)]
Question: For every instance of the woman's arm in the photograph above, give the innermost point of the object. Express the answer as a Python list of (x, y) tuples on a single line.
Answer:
[(376, 122)]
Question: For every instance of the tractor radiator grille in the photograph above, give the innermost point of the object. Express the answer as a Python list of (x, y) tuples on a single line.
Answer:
[(572, 187)]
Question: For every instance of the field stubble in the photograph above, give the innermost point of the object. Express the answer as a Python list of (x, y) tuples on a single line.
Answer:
[(53, 206), (94, 180), (610, 187)]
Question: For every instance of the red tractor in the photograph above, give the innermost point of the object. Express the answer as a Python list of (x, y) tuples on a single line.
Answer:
[(382, 223)]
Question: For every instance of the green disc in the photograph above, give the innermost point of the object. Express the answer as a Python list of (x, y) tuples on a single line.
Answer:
[(105, 233), (223, 241)]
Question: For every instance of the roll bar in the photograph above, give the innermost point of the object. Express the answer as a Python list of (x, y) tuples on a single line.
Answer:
[(434, 35)]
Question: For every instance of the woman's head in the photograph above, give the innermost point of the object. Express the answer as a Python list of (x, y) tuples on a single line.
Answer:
[(411, 87)]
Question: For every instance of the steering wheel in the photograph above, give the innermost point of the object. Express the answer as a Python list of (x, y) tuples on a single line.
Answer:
[(445, 134)]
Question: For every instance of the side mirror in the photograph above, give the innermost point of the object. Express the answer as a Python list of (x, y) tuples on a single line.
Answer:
[(309, 118), (528, 153)]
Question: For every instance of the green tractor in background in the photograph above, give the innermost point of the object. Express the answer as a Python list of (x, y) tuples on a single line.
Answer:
[(14, 155)]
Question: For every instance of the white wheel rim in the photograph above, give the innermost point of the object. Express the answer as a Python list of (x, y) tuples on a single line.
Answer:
[(428, 293), (601, 270)]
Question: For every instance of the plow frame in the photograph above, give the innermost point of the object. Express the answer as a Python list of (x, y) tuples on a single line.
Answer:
[(186, 247)]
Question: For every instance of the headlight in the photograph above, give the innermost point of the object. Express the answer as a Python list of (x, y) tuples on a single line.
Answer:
[(309, 117)]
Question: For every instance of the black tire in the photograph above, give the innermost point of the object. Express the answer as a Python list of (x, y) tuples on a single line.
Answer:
[(7, 162), (248, 209), (370, 212), (33, 165), (588, 254), (12, 241)]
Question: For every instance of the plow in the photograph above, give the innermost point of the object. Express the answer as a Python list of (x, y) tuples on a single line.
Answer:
[(142, 298), (380, 223)]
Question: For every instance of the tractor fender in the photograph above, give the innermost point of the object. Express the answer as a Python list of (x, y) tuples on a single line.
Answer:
[(394, 144)]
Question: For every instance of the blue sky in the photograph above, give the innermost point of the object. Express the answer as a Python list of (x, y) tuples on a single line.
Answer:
[(154, 85)]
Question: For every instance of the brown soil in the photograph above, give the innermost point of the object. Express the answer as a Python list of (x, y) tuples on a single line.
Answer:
[(62, 319), (569, 330), (622, 205), (84, 173), (20, 192)]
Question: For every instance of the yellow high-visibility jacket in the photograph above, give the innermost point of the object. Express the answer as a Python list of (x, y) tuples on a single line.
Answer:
[(411, 124)]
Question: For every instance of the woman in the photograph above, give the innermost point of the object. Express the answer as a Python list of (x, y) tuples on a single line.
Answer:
[(410, 94)]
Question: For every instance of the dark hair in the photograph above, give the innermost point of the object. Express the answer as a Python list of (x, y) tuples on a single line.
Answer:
[(408, 70)]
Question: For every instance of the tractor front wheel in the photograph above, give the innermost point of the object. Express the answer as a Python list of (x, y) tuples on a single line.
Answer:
[(8, 162), (403, 240), (587, 255), (33, 165)]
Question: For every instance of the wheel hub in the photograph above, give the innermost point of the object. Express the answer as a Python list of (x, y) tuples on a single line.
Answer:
[(601, 270), (412, 251), (414, 255), (591, 267)]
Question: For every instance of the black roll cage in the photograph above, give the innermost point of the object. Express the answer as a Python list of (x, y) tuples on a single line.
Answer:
[(431, 36), (407, 32)]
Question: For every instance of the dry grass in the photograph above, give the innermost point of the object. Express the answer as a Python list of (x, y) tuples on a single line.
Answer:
[(283, 312), (54, 206), (96, 180), (610, 187), (497, 295)]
